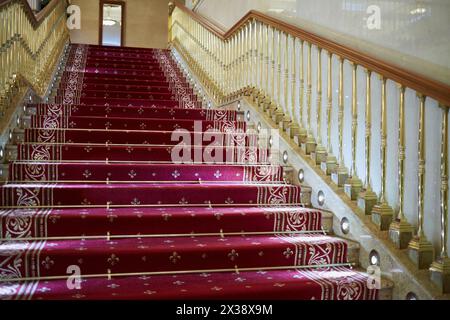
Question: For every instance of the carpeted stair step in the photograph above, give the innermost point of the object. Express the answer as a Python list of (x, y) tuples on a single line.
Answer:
[(188, 253), (134, 112), (74, 122), (338, 283), (147, 137), (129, 194), (140, 153), (101, 172), (36, 223)]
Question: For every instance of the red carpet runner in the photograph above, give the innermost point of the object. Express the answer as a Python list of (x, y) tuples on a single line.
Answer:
[(94, 188)]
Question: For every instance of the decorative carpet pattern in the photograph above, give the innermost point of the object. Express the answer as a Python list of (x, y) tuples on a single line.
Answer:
[(95, 188)]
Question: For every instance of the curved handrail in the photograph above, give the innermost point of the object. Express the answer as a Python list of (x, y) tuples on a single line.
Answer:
[(429, 87)]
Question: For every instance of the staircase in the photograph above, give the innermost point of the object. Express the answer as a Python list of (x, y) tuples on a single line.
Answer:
[(92, 190)]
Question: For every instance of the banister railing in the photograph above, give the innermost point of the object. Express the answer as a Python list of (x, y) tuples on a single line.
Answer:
[(29, 47), (347, 110)]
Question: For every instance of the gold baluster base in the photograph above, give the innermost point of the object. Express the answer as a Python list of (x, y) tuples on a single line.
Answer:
[(421, 252), (319, 155), (286, 123), (309, 145), (278, 116), (271, 109), (301, 136), (400, 233), (367, 200), (340, 176), (382, 215), (329, 165), (352, 187), (259, 99), (440, 274), (266, 104), (293, 130)]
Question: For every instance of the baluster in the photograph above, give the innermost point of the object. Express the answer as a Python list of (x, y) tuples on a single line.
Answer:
[(400, 231), (286, 118), (320, 152), (420, 250), (329, 165), (278, 113), (310, 143), (269, 73), (341, 174), (382, 213), (440, 268), (353, 184), (272, 105), (367, 199), (294, 127), (302, 133)]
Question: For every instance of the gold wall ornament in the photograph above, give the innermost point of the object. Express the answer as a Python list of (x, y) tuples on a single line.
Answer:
[(329, 165), (353, 184), (320, 153), (400, 231), (440, 268), (341, 174), (368, 198), (382, 213), (420, 250), (310, 143)]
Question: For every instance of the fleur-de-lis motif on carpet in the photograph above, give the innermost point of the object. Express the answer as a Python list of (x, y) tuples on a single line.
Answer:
[(72, 124), (233, 255), (129, 149), (113, 259), (132, 174), (229, 201), (183, 201), (176, 174), (142, 126), (288, 253), (47, 263), (149, 292), (135, 202), (217, 174), (88, 149), (215, 288), (87, 174), (108, 125), (140, 110), (175, 257)]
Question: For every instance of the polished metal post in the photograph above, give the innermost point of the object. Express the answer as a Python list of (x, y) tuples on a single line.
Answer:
[(310, 143), (341, 174), (420, 250), (382, 213), (329, 165), (353, 184), (302, 132), (320, 153), (367, 199), (278, 113), (287, 118), (294, 127), (440, 268), (400, 231)]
